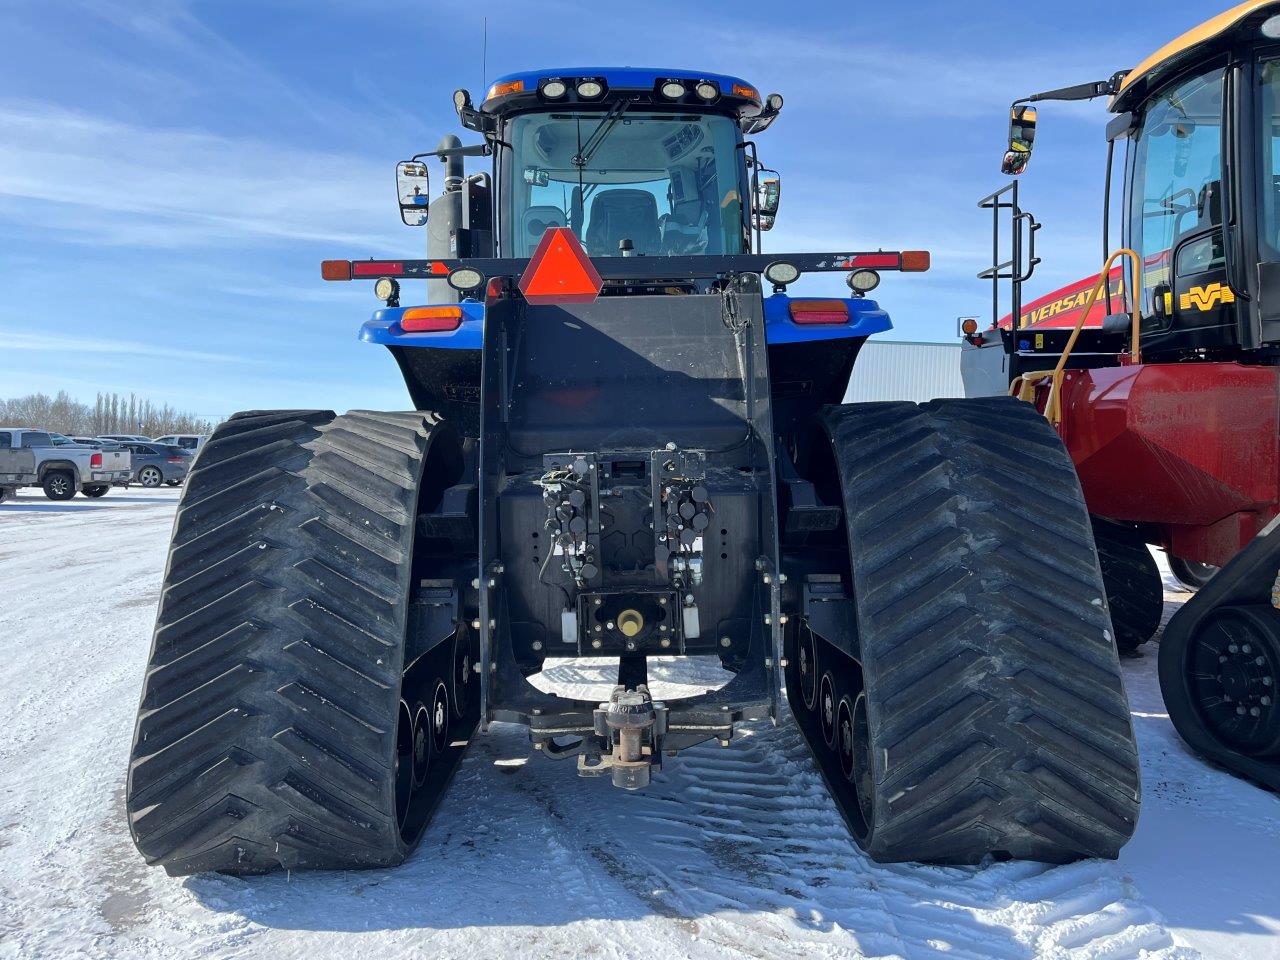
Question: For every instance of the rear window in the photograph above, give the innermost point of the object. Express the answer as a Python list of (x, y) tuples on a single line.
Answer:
[(189, 443), (173, 450), (6, 439), (33, 439)]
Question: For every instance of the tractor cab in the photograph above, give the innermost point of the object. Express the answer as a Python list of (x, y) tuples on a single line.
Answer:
[(1200, 217), (634, 162), (660, 171)]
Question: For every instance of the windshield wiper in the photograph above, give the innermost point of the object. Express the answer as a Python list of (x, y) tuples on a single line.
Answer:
[(588, 150)]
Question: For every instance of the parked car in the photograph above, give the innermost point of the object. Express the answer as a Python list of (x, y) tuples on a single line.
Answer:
[(124, 437), (157, 463), (63, 466), (190, 442), (17, 469)]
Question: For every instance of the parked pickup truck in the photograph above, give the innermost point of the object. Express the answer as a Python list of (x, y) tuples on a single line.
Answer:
[(63, 466), (17, 469)]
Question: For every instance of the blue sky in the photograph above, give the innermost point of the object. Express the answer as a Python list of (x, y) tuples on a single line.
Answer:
[(171, 173)]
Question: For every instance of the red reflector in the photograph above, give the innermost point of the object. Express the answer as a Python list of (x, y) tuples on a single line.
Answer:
[(335, 270), (560, 271), (915, 261), (431, 319), (873, 260), (95, 460), (377, 268), (819, 311)]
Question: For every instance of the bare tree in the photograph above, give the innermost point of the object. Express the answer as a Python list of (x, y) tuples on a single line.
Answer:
[(111, 413)]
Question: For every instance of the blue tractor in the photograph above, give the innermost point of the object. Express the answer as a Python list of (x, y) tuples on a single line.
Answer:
[(628, 441)]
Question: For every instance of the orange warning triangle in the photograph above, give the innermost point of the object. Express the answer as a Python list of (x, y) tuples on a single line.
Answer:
[(560, 271)]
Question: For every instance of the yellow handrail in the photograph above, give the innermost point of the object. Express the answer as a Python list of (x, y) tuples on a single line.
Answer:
[(1023, 387)]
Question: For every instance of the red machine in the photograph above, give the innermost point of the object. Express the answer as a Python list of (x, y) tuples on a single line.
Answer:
[(1164, 381)]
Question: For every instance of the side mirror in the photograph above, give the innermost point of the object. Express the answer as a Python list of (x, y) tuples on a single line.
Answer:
[(1022, 138), (413, 187), (768, 195)]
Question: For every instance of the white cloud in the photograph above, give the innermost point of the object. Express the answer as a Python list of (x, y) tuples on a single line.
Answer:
[(52, 342), (104, 181)]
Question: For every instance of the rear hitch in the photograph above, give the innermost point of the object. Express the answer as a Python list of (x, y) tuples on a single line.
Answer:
[(630, 727)]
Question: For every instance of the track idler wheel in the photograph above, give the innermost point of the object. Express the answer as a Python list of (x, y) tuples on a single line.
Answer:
[(1191, 574), (1135, 590), (1220, 664), (1231, 668)]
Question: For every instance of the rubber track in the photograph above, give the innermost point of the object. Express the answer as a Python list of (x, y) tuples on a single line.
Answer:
[(999, 723), (266, 732), (1135, 589)]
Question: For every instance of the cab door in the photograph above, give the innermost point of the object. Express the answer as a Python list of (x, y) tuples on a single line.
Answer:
[(1176, 216)]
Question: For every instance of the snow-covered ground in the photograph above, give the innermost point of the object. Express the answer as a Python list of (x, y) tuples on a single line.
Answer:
[(731, 852)]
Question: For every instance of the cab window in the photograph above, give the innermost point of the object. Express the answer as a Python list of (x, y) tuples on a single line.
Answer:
[(665, 184), (1177, 181), (1269, 139)]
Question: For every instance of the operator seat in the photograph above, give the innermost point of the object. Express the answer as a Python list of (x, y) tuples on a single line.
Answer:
[(623, 214)]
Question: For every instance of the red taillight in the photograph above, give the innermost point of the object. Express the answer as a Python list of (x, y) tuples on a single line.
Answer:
[(431, 319), (177, 459), (820, 311), (377, 268), (874, 261), (95, 460)]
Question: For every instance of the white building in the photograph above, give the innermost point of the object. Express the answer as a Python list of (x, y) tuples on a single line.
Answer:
[(905, 370)]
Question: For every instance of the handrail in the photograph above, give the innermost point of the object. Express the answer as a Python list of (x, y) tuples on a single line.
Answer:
[(1023, 386)]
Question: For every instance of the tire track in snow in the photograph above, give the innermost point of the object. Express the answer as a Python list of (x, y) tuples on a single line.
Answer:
[(734, 851), (747, 835)]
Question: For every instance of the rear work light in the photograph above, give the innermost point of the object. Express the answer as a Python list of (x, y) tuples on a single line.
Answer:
[(820, 311), (95, 461), (431, 319)]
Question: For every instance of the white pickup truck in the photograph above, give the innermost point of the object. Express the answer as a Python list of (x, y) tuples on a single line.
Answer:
[(63, 466)]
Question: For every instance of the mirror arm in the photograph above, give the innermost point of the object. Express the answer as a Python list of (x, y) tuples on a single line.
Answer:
[(1080, 91), (471, 150)]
